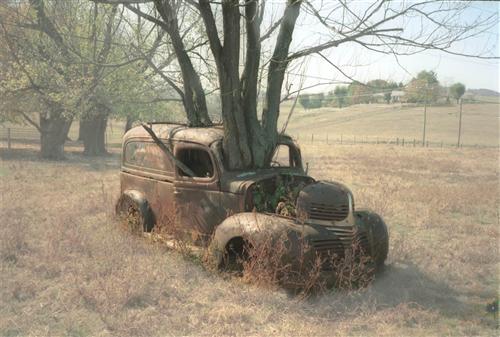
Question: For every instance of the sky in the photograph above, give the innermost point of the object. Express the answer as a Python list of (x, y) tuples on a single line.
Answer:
[(363, 65)]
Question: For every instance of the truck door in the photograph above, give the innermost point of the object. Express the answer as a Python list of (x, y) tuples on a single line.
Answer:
[(197, 198)]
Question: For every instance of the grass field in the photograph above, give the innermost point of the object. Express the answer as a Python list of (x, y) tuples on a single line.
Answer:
[(67, 269), (362, 122), (480, 123)]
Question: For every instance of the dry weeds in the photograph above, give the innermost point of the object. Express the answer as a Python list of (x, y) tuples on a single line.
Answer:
[(67, 269)]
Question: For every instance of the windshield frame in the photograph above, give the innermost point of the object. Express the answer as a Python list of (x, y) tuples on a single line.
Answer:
[(295, 153)]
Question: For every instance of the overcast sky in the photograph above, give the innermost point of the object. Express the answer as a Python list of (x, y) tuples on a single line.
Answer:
[(365, 65)]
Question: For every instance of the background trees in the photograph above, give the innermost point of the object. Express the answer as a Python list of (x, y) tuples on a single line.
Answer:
[(457, 90), (67, 60), (242, 49), (340, 93), (423, 88)]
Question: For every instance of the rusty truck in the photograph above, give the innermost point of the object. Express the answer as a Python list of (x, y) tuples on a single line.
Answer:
[(176, 176)]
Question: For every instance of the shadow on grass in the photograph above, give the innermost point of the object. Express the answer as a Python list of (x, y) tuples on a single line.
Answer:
[(406, 285), (74, 156)]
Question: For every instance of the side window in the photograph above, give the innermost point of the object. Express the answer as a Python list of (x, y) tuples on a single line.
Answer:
[(147, 155), (198, 160), (281, 157)]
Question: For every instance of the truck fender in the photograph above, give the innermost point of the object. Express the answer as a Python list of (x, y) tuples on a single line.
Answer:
[(379, 235), (138, 199), (248, 226)]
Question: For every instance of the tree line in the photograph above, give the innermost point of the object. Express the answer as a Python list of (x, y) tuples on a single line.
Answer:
[(425, 87)]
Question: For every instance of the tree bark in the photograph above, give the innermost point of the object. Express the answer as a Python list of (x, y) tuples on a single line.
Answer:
[(94, 131), (249, 82), (248, 143), (236, 146), (53, 133), (128, 123)]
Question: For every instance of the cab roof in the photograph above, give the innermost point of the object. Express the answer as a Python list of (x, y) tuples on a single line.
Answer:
[(169, 131)]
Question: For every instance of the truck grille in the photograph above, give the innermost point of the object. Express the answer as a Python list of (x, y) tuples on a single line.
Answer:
[(333, 248), (328, 212), (328, 250), (363, 245)]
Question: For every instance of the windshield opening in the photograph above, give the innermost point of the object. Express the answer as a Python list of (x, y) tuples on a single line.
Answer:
[(284, 156)]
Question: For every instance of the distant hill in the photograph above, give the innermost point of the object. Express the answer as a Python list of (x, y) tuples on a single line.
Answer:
[(483, 92)]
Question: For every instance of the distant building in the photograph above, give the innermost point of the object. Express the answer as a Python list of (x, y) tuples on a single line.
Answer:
[(397, 96)]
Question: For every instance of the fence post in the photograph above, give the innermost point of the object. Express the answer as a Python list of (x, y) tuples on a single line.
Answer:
[(327, 139), (414, 142), (441, 144), (403, 143), (8, 138), (312, 138), (460, 124), (397, 141)]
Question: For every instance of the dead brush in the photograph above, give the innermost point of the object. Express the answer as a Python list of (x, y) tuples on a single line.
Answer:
[(14, 242), (355, 270), (169, 231), (267, 263), (130, 221)]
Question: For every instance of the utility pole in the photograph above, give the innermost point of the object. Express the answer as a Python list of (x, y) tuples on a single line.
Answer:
[(460, 124)]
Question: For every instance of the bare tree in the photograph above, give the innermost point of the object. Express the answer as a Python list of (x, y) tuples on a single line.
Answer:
[(397, 28)]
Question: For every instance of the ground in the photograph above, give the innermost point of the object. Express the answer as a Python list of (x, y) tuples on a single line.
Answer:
[(68, 269)]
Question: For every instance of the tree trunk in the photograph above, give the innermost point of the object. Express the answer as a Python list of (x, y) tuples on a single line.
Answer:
[(54, 131), (80, 132), (128, 123), (94, 132)]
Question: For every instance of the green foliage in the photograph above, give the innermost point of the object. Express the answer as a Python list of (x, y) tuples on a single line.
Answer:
[(304, 101), (359, 93), (340, 93), (282, 199), (457, 90), (312, 101), (424, 88), (39, 75)]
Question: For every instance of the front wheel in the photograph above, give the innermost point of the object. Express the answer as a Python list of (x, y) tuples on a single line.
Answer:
[(374, 224)]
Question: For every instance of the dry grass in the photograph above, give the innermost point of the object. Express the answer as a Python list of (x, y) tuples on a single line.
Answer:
[(68, 269)]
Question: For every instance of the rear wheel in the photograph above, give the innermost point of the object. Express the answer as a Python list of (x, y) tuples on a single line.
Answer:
[(135, 216)]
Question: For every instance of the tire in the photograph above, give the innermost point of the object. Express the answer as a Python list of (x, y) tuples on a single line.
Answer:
[(380, 236), (134, 214)]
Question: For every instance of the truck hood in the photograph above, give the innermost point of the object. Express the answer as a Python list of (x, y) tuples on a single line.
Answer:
[(239, 182)]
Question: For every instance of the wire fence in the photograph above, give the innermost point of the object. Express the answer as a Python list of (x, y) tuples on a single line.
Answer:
[(27, 135), (311, 139)]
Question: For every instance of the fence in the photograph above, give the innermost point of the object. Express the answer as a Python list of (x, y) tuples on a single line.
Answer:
[(396, 141), (27, 135)]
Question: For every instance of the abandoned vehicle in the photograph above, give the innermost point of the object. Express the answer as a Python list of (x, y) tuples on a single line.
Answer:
[(175, 177)]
